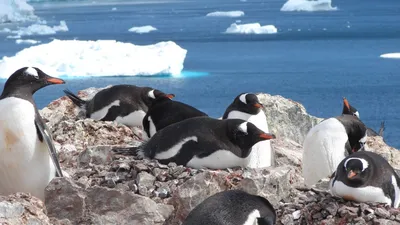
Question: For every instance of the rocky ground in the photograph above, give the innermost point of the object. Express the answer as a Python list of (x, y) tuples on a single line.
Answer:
[(104, 188)]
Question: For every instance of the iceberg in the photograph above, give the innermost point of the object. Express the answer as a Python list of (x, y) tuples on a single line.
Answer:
[(226, 14), (26, 41), (142, 30), (308, 5), (16, 11), (39, 29), (251, 28), (391, 55), (98, 58)]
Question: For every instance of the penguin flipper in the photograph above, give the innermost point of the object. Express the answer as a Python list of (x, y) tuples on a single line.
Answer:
[(44, 135)]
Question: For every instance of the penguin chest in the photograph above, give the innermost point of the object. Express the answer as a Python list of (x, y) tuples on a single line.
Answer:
[(359, 194), (152, 127), (24, 160), (133, 119), (219, 159)]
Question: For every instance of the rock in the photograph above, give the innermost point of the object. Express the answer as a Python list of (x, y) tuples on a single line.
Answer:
[(382, 213), (21, 208), (99, 205), (286, 118), (96, 155), (377, 145)]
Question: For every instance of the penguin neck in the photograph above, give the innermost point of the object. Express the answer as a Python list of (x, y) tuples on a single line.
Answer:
[(24, 93)]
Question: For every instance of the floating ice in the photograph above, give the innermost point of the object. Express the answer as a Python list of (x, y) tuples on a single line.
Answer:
[(15, 11), (226, 14), (98, 58), (114, 9), (251, 28), (391, 55), (40, 29), (26, 41), (143, 29), (308, 5)]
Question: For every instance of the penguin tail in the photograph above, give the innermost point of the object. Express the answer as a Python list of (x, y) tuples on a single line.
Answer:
[(133, 151), (381, 129), (75, 99)]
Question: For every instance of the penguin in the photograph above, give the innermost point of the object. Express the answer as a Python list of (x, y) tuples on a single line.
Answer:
[(366, 177), (28, 160), (246, 106), (202, 142), (328, 143), (232, 207), (350, 110), (126, 104), (164, 111)]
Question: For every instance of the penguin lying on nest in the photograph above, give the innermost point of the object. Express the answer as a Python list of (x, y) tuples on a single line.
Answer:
[(164, 111), (246, 106), (202, 142), (350, 110), (328, 143), (232, 207), (126, 104), (366, 177), (28, 160)]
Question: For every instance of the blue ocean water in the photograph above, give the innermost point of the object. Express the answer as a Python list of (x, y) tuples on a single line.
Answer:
[(316, 58)]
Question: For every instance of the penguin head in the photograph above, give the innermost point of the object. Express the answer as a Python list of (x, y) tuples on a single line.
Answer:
[(246, 134), (356, 169), (248, 103), (348, 109), (154, 94), (358, 145), (29, 80)]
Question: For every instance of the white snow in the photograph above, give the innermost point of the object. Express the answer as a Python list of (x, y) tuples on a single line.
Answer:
[(26, 41), (39, 29), (226, 14), (391, 55), (251, 28), (308, 5), (143, 29), (98, 58), (16, 11)]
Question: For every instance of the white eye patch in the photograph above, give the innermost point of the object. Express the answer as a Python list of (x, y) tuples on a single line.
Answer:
[(243, 127), (242, 98), (357, 114), (32, 72), (151, 94), (363, 161)]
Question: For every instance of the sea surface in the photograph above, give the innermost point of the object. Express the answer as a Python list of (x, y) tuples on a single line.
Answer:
[(316, 58)]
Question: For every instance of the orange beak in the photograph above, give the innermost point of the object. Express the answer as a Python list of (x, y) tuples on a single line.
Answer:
[(351, 174), (257, 105), (170, 96), (346, 103), (267, 136), (54, 80)]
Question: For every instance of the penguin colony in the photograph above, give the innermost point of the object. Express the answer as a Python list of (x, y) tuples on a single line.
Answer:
[(177, 132)]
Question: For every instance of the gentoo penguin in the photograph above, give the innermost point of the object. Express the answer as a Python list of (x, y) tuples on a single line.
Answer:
[(202, 142), (350, 110), (328, 143), (232, 207), (366, 177), (25, 142), (126, 104), (247, 107), (165, 111)]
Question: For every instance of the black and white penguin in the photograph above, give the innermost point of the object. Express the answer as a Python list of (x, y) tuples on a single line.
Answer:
[(165, 111), (28, 160), (350, 110), (328, 143), (203, 142), (247, 106), (366, 177), (232, 207), (126, 104)]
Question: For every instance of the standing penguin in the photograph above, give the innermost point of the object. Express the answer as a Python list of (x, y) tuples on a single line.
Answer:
[(232, 207), (126, 104), (328, 143), (164, 112), (366, 177), (25, 143), (247, 107), (350, 110), (203, 142)]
